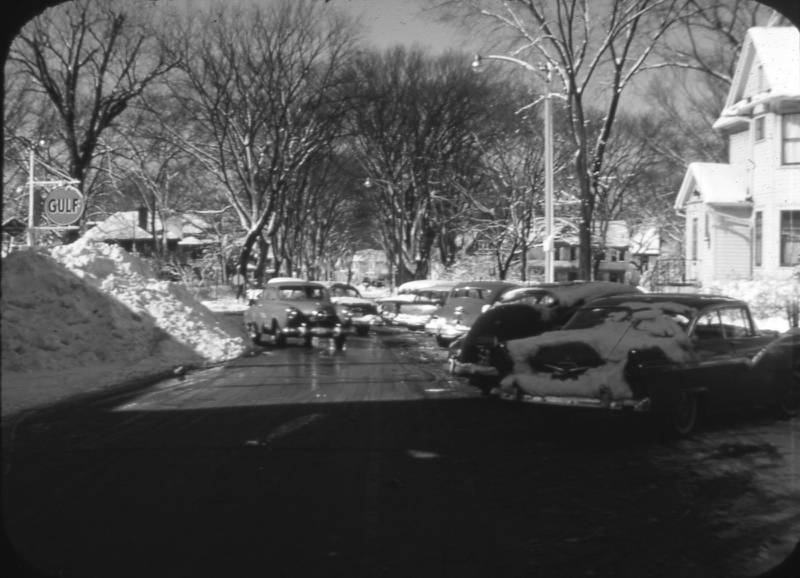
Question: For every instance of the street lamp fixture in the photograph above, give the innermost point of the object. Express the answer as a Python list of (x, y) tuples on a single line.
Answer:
[(546, 69)]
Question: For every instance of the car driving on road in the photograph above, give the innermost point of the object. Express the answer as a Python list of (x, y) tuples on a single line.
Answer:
[(293, 308), (354, 310), (677, 356)]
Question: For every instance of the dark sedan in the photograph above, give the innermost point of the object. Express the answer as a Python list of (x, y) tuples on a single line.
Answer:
[(675, 355), (522, 312)]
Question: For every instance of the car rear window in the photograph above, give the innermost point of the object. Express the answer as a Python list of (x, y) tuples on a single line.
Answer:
[(300, 292)]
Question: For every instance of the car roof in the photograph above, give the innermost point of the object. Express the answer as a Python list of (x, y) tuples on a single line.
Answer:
[(693, 300), (425, 284), (276, 280), (487, 284)]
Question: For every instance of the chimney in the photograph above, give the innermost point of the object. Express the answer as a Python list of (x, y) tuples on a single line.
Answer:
[(143, 217)]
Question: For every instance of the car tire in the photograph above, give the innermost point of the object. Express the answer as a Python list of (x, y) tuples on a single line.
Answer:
[(338, 342), (277, 338), (683, 414), (255, 333), (443, 341)]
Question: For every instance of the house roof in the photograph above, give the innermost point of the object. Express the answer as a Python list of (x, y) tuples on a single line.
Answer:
[(645, 241), (716, 183), (118, 227), (777, 50), (616, 235)]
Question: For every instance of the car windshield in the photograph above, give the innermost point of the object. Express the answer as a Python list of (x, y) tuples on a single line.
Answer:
[(301, 292), (471, 293), (342, 291), (594, 316)]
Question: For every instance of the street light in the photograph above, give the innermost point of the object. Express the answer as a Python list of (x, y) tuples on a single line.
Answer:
[(545, 68)]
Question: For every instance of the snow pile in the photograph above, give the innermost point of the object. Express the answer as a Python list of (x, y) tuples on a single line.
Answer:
[(91, 303), (644, 328)]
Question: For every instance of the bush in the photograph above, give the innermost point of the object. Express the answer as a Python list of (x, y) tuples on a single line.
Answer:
[(770, 297)]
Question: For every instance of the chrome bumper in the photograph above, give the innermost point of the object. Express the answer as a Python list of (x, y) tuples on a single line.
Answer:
[(637, 405), (467, 369)]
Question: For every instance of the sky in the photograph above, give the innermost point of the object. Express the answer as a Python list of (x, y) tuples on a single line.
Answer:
[(409, 22)]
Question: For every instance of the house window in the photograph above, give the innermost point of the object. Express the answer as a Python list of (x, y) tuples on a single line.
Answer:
[(758, 238), (759, 128), (694, 239), (791, 138), (790, 238)]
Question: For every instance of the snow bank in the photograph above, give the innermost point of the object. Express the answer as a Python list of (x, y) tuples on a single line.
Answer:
[(645, 328), (90, 304), (772, 301)]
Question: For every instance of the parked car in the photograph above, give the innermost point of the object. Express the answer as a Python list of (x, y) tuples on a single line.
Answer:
[(293, 308), (465, 302), (676, 356), (415, 303), (518, 313), (356, 312)]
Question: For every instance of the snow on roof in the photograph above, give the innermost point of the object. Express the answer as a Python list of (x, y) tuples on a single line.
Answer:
[(616, 234), (194, 241), (716, 183), (118, 227), (645, 241), (776, 49)]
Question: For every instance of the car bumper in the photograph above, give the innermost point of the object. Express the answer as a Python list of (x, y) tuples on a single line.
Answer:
[(452, 332), (472, 369), (313, 330), (637, 405)]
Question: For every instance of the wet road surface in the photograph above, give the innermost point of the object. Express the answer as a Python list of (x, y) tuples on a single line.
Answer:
[(374, 462)]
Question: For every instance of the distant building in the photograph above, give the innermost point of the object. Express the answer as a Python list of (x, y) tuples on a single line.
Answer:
[(186, 236), (743, 216)]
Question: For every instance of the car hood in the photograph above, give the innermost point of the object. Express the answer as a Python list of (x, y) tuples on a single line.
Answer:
[(588, 362), (351, 301)]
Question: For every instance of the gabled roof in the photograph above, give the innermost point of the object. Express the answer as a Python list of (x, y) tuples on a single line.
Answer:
[(716, 183), (616, 235), (118, 227), (777, 50)]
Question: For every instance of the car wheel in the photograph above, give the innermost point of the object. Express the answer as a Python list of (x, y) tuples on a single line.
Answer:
[(683, 414), (277, 338), (338, 342), (789, 401), (254, 332), (442, 341)]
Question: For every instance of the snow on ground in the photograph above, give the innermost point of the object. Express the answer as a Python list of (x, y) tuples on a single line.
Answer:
[(90, 315)]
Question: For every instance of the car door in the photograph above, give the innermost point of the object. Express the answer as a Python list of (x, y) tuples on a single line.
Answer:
[(716, 367), (746, 343)]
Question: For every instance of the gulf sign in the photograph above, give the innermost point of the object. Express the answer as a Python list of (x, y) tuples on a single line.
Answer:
[(64, 205)]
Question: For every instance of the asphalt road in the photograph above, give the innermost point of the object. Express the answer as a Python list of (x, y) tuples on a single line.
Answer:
[(373, 462)]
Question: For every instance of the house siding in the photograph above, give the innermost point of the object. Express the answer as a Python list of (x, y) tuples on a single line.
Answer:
[(731, 242), (738, 147)]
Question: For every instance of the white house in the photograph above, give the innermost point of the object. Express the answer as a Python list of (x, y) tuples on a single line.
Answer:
[(743, 216)]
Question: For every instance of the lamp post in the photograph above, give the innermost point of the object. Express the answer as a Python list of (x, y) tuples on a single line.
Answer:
[(546, 68)]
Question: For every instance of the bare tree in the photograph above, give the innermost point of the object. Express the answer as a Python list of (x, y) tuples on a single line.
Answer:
[(412, 133), (595, 51), (91, 59), (261, 86)]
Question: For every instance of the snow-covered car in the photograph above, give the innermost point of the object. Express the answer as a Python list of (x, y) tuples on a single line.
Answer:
[(293, 308), (518, 313), (465, 302), (674, 355), (414, 303), (356, 312)]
